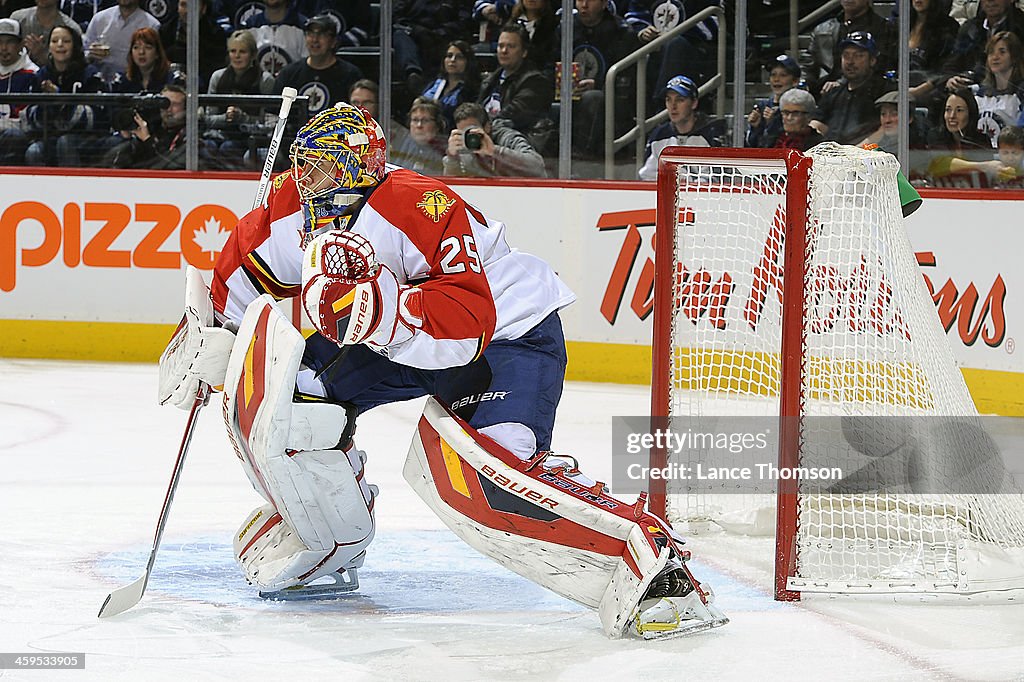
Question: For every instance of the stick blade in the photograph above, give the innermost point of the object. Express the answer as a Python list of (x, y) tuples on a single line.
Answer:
[(123, 598)]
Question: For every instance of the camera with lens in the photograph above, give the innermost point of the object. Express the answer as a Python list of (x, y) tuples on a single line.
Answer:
[(473, 138), (146, 105)]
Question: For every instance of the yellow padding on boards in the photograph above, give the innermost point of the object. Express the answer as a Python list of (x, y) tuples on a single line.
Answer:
[(994, 392), (100, 341)]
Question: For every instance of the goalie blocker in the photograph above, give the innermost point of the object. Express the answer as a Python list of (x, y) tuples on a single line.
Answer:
[(541, 519)]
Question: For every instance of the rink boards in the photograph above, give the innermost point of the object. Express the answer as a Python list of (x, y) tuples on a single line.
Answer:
[(91, 266)]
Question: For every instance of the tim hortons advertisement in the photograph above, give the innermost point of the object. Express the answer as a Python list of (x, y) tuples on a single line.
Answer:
[(113, 249), (605, 251)]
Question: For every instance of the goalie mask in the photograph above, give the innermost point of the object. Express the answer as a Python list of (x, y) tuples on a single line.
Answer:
[(337, 157)]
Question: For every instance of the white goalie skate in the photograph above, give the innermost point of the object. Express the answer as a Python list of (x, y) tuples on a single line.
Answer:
[(673, 607)]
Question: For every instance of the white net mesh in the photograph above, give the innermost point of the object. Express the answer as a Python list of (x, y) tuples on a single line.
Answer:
[(880, 389)]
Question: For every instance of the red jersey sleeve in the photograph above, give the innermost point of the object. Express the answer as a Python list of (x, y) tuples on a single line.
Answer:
[(458, 310)]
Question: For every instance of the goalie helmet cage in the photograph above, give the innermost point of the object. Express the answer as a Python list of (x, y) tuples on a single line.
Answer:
[(785, 286)]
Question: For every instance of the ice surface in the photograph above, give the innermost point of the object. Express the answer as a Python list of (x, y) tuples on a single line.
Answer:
[(85, 456)]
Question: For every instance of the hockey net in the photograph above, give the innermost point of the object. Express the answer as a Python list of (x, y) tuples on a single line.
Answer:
[(786, 286)]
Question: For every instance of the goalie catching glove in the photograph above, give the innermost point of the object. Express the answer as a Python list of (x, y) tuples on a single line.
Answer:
[(351, 298), (197, 352)]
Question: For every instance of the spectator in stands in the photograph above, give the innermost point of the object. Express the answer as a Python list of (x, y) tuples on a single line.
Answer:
[(477, 149), (763, 123), (600, 39), (321, 76), (1001, 92), (158, 146), (517, 92), (148, 69), (355, 21), (490, 16), (964, 10), (17, 74), (857, 16), (279, 35), (458, 80), (959, 145), (422, 30), (886, 136), (110, 35), (164, 11), (9, 7), (174, 36), (967, 62), (932, 35), (364, 94), (685, 127), (847, 113), (1011, 153), (82, 11), (795, 110), (423, 149), (36, 23), (539, 19), (60, 130), (226, 133), (693, 53)]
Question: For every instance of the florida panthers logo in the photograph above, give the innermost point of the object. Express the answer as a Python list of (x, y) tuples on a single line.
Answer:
[(435, 204)]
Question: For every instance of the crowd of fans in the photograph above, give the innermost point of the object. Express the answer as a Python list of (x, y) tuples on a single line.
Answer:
[(476, 83)]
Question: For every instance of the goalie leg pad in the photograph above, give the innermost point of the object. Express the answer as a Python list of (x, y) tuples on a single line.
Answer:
[(290, 452), (541, 520), (273, 558)]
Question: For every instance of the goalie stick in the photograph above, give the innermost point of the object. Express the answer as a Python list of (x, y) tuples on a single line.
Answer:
[(123, 598), (288, 96)]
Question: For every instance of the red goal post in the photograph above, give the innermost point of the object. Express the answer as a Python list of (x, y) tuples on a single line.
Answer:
[(797, 167)]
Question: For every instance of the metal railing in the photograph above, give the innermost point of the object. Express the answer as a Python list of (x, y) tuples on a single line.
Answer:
[(112, 101), (640, 57)]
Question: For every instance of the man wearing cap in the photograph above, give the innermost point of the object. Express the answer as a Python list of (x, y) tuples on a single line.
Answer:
[(17, 74), (685, 127), (886, 137), (763, 123), (109, 36), (827, 38), (321, 76), (847, 113)]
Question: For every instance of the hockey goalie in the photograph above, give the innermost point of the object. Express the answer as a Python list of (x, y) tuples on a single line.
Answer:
[(413, 292)]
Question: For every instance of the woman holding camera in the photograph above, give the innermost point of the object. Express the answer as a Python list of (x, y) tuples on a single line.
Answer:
[(60, 128)]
